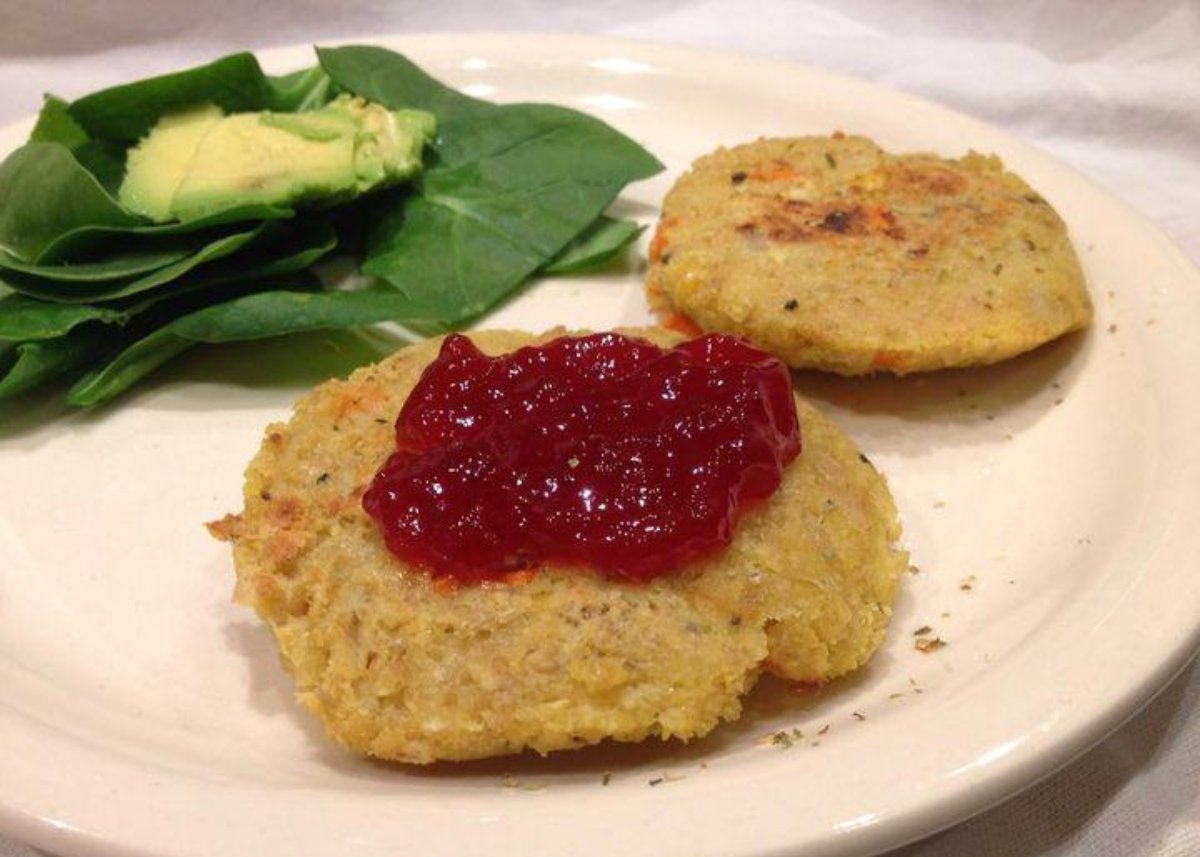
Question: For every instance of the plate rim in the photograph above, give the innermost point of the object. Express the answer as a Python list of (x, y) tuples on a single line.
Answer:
[(1020, 772)]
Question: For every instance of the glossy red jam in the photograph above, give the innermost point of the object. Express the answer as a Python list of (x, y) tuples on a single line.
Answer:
[(602, 451)]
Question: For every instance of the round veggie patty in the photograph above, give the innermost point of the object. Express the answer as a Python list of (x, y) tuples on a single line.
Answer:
[(835, 255), (400, 667)]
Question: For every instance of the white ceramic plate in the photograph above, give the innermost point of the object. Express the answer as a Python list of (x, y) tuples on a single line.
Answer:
[(1052, 504)]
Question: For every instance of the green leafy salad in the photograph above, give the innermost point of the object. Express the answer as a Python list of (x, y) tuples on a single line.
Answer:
[(187, 208)]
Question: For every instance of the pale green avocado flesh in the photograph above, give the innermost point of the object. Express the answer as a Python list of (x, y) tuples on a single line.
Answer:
[(197, 161)]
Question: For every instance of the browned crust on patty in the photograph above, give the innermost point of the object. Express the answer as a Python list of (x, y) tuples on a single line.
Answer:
[(836, 255)]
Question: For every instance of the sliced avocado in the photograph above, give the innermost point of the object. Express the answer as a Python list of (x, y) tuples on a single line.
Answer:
[(343, 149), (156, 166), (251, 158), (390, 143)]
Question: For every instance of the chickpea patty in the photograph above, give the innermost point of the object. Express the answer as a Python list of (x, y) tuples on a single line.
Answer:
[(836, 255), (402, 668)]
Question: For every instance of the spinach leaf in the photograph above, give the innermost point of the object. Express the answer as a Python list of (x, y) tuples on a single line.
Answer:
[(44, 193), (291, 250), (254, 316), (23, 318), (56, 193), (131, 365), (393, 80), (276, 313), (55, 125), (302, 90), (439, 262), (27, 365), (235, 83), (77, 292), (520, 172), (118, 265), (282, 249), (507, 189), (601, 241), (86, 239), (52, 209), (498, 207), (104, 159)]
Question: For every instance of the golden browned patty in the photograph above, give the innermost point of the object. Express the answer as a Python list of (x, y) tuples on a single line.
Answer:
[(401, 668), (835, 255)]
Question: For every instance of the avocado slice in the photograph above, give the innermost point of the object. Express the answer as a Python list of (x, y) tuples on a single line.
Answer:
[(157, 165), (344, 149)]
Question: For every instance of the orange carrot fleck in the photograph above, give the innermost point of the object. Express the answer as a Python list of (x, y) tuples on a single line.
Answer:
[(775, 173), (878, 217), (658, 244), (680, 323), (887, 360)]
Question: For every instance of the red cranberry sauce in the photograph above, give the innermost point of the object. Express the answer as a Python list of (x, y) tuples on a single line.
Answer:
[(601, 451)]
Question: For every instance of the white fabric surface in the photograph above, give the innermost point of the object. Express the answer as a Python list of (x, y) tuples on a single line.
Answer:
[(1111, 88)]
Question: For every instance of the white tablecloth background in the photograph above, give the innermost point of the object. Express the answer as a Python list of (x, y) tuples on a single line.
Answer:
[(1112, 88)]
